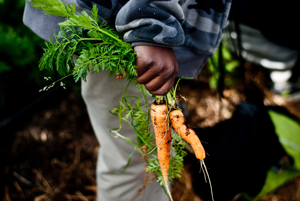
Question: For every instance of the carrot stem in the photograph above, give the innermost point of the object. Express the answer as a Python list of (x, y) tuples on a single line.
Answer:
[(159, 99), (120, 114), (148, 109)]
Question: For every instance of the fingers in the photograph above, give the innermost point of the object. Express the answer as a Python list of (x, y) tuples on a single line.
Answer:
[(159, 80), (147, 76), (161, 89)]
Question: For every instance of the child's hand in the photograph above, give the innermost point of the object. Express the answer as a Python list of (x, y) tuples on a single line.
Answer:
[(157, 68)]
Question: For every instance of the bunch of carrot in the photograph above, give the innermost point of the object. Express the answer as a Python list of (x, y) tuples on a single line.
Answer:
[(163, 116)]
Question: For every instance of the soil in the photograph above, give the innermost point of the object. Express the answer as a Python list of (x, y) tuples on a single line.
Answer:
[(52, 154)]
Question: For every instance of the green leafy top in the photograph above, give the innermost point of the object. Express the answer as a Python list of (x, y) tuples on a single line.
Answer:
[(53, 7), (98, 45)]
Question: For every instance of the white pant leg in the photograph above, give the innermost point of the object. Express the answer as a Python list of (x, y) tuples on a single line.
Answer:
[(101, 93)]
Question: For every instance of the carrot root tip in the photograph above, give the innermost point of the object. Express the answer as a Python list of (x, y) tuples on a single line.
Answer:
[(205, 172)]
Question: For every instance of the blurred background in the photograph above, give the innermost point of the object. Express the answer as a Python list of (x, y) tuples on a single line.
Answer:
[(20, 51), (48, 148), (37, 128)]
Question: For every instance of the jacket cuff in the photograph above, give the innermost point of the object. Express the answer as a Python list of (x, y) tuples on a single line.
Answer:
[(150, 44)]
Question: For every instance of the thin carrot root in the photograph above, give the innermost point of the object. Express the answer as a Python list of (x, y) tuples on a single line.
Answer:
[(186, 133), (162, 130), (202, 164)]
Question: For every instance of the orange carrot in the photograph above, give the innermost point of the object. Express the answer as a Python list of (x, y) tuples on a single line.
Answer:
[(162, 130), (186, 133), (189, 135)]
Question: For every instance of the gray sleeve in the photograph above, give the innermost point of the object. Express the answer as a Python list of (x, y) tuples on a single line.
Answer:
[(45, 25), (156, 22), (41, 24)]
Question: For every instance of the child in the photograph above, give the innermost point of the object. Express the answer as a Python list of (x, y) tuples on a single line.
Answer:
[(171, 38)]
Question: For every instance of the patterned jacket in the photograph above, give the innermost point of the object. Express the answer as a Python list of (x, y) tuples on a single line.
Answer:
[(194, 28)]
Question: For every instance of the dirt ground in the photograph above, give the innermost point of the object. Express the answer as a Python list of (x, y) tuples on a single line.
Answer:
[(52, 154)]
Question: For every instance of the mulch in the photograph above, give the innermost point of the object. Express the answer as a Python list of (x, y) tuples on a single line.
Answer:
[(52, 154)]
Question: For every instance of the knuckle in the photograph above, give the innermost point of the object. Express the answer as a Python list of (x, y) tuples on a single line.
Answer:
[(159, 66), (169, 71), (148, 61)]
